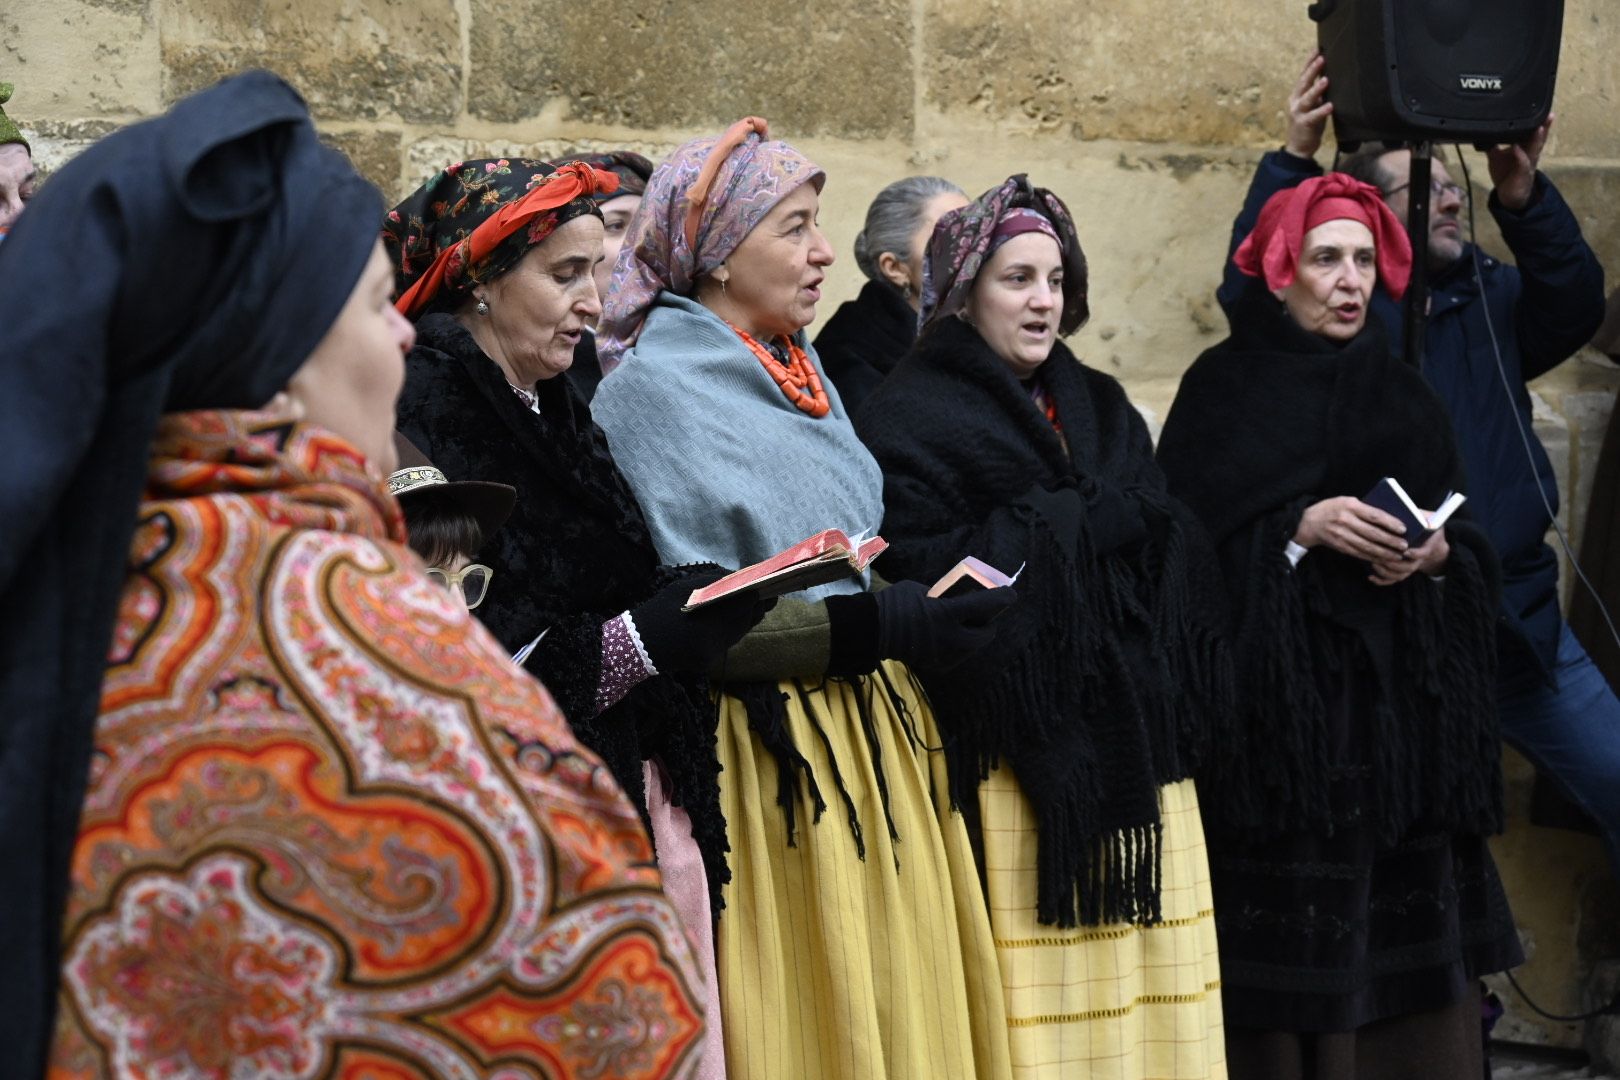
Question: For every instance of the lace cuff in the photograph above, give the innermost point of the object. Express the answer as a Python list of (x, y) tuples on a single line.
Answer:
[(625, 662)]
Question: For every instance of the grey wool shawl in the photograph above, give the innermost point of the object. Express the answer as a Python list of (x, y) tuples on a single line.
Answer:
[(725, 467)]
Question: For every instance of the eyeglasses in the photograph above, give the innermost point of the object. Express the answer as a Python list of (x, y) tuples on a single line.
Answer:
[(472, 580), (1437, 188)]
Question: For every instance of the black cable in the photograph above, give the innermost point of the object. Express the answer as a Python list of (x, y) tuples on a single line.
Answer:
[(1524, 435), (1611, 1009)]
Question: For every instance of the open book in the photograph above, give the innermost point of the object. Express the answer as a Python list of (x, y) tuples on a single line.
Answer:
[(1388, 495), (825, 557), (971, 573)]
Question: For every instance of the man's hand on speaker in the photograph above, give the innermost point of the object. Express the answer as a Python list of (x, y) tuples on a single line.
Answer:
[(1308, 109), (1513, 167)]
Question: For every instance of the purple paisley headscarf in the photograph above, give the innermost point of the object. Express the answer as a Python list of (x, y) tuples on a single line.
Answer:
[(699, 206), (964, 239)]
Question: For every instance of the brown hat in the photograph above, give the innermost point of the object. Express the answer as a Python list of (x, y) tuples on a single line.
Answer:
[(417, 483)]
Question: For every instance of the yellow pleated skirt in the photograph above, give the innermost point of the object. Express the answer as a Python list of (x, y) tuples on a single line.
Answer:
[(834, 967), (1106, 1002)]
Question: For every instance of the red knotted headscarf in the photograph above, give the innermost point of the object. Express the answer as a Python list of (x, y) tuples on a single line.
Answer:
[(1272, 250)]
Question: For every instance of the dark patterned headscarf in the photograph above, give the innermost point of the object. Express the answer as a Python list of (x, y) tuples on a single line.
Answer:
[(476, 219), (964, 239), (700, 205), (631, 168)]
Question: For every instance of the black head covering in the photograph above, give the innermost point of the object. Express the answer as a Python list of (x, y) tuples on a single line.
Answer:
[(191, 261)]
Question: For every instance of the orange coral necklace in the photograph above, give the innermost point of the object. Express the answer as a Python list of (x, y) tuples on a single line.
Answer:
[(793, 377)]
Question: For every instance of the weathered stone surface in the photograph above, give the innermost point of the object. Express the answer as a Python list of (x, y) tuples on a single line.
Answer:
[(53, 143), (835, 66), (375, 154), (73, 58), (425, 157), (1603, 1034), (351, 60), (1588, 81), (1593, 191), (1153, 70)]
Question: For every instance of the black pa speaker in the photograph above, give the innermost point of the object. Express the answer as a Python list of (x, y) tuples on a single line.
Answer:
[(1479, 71)]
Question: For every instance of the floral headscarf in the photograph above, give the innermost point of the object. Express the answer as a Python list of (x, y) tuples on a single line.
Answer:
[(964, 239), (631, 168), (699, 206), (1272, 250), (473, 221)]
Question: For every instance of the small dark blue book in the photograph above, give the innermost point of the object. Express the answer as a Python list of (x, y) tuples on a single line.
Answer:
[(1388, 495)]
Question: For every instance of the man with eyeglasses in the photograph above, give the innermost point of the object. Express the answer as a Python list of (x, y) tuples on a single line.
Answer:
[(1554, 704)]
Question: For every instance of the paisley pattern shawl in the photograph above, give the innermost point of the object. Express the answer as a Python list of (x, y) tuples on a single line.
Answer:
[(330, 829)]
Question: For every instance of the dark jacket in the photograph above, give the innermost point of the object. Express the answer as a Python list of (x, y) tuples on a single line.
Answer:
[(575, 552), (864, 340), (586, 371), (1542, 311)]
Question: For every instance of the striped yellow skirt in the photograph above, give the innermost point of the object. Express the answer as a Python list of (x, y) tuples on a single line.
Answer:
[(1110, 1002), (834, 967)]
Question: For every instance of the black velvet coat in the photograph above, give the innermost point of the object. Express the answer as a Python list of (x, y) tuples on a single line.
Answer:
[(1346, 813), (575, 553)]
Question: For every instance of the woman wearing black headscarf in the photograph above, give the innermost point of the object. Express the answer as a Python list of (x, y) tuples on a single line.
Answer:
[(1073, 736), (321, 804)]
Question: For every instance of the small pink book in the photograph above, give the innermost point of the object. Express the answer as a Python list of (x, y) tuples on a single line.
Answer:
[(972, 572), (824, 557)]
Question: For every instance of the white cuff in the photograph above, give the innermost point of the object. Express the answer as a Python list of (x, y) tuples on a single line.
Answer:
[(1295, 552)]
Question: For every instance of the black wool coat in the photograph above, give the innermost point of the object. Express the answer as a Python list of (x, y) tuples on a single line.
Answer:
[(863, 341)]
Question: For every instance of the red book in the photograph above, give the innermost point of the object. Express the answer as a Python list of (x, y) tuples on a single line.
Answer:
[(822, 558)]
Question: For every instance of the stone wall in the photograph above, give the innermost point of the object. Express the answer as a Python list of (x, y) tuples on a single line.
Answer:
[(1146, 116)]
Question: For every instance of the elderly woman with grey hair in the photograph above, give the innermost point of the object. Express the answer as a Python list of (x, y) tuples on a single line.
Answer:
[(868, 335)]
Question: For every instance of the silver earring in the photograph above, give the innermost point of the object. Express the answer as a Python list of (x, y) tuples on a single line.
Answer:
[(483, 307)]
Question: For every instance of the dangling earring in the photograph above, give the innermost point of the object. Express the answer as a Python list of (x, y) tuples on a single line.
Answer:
[(483, 307)]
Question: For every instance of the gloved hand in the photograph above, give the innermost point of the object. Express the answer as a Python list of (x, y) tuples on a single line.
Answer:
[(1115, 519), (1061, 510), (694, 641), (937, 631)]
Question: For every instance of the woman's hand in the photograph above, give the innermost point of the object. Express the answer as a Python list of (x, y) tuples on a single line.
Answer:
[(937, 631), (694, 641), (1351, 527), (1429, 557)]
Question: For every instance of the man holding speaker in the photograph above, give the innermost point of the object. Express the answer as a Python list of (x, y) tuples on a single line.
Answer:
[(1491, 328)]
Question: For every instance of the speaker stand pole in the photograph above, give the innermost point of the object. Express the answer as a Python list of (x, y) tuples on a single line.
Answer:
[(1417, 230)]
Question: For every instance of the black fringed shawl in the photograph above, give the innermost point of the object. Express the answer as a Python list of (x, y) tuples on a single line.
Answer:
[(575, 553), (1266, 423), (1106, 676)]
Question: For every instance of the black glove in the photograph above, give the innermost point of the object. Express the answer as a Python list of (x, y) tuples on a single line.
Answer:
[(1115, 519), (936, 631), (1061, 510), (694, 641)]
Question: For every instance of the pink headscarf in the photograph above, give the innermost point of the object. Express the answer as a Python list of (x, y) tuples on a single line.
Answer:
[(699, 206), (1272, 250)]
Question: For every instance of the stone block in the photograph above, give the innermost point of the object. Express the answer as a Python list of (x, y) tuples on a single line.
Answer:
[(1592, 192), (79, 58), (425, 157), (1588, 81), (1603, 1033), (55, 142), (375, 153), (1154, 70), (352, 61), (835, 66), (1588, 416)]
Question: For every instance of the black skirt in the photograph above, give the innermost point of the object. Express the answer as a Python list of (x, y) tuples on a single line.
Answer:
[(1328, 933)]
